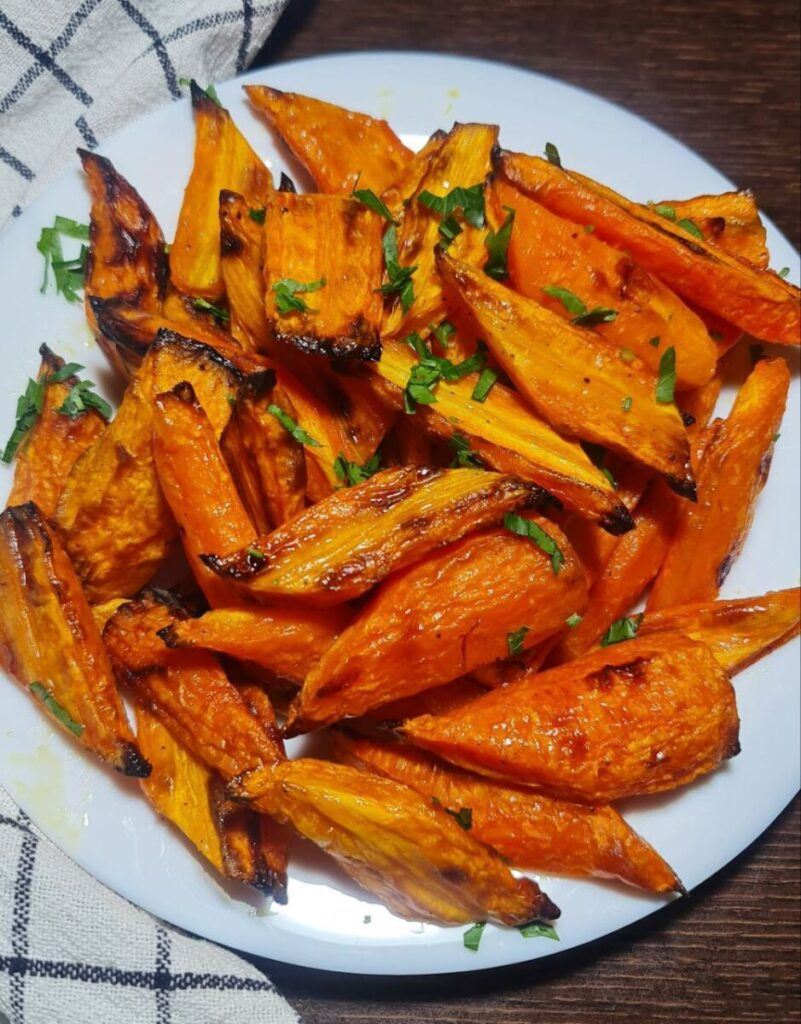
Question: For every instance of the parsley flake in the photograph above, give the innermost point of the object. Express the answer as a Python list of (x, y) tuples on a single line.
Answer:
[(29, 407), (666, 384), (255, 554), (352, 473), (399, 279), (58, 711), (431, 369), (497, 243), (573, 620), (463, 455), (784, 272), (668, 212), (443, 333), (217, 313), (624, 629), (68, 274), (484, 385), (552, 154), (368, 198), (210, 91), (468, 201), (258, 215), (514, 640), (296, 432), (626, 404), (691, 226), (472, 937), (655, 342), (538, 930), (526, 528), (286, 294), (81, 398), (582, 316), (463, 817)]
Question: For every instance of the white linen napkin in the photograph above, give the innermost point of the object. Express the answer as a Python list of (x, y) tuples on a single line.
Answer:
[(71, 951)]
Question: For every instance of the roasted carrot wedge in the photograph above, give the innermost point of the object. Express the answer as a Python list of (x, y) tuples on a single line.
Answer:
[(436, 701), (329, 246), (197, 486), (337, 147), (559, 731), (734, 467), (246, 855), (127, 259), (242, 263), (288, 642), (758, 302), (461, 162), (737, 632), (395, 843), (505, 433), (50, 643), (411, 174), (532, 831), (223, 160), (503, 592), (550, 257), (730, 220), (348, 542), (55, 441), (574, 380), (187, 690), (116, 523)]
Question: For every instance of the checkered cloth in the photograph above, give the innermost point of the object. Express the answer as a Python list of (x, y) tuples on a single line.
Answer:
[(74, 71), (71, 951)]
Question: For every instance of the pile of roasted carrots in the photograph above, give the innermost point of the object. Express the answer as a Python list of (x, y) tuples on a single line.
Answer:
[(398, 457)]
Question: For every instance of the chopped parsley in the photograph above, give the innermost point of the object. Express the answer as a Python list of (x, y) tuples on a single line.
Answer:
[(625, 355), (352, 473), (81, 398), (430, 369), (666, 384), (463, 817), (668, 212), (484, 385), (399, 279), (538, 930), (691, 226), (582, 316), (29, 407), (784, 272), (296, 432), (624, 629), (443, 333), (463, 455), (470, 201), (254, 553), (626, 404), (210, 91), (258, 215), (573, 620), (526, 528), (368, 198), (57, 710), (286, 293), (514, 640), (68, 274), (472, 937), (655, 342), (220, 315), (497, 243), (552, 154)]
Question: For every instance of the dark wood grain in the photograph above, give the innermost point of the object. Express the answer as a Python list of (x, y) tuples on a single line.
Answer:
[(724, 77)]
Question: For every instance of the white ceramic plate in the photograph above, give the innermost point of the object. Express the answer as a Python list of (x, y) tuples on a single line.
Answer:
[(100, 819)]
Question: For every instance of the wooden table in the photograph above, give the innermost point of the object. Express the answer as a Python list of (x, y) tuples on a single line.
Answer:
[(723, 76)]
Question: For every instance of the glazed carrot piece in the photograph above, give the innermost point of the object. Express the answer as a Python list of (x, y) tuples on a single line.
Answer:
[(345, 544), (223, 160), (197, 485), (436, 701), (329, 247), (737, 632), (411, 174), (734, 467), (643, 317), (532, 831), (338, 147), (756, 301), (572, 379), (730, 220), (242, 264), (115, 521), (506, 434), (503, 594), (288, 642), (399, 846), (559, 731), (50, 643), (54, 443), (462, 161)]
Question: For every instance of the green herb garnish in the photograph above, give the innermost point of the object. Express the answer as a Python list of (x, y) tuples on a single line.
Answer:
[(68, 275), (514, 640), (443, 333), (484, 385), (624, 629), (626, 404), (470, 201), (463, 455), (399, 279), (57, 710), (296, 432), (254, 553), (29, 407), (526, 528), (431, 369), (573, 620), (258, 215), (537, 930), (287, 291), (784, 272), (368, 198), (472, 937), (463, 817), (552, 153), (81, 398), (497, 243), (352, 473), (668, 212), (582, 316), (691, 227), (218, 313), (210, 91), (654, 342), (666, 384)]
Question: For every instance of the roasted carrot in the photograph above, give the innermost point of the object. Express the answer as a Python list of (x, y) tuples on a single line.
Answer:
[(733, 470), (756, 301), (405, 184), (637, 314), (338, 147), (242, 264), (503, 592), (560, 731), (573, 380), (436, 701), (532, 831), (50, 643), (730, 220), (223, 160)]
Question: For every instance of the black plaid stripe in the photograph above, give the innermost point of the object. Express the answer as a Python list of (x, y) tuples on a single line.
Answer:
[(87, 134), (216, 20), (14, 162), (21, 919), (44, 58), (162, 976), (139, 19), (61, 41), (247, 29), (95, 974)]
